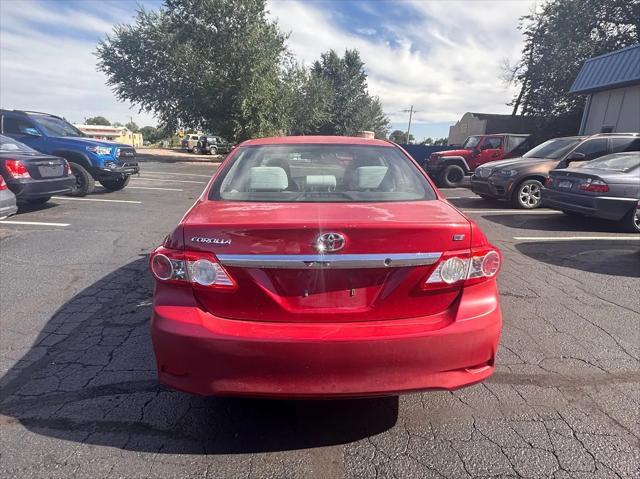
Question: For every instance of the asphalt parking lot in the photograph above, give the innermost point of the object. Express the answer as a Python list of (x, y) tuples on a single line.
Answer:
[(79, 397)]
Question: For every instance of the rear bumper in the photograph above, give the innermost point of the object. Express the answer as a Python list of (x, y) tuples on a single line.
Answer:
[(8, 205), (202, 354), (28, 188), (609, 208), (500, 190)]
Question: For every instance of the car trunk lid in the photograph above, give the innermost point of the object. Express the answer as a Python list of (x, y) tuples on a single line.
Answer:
[(43, 167), (269, 250)]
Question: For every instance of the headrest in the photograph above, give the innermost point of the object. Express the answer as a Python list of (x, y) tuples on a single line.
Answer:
[(268, 178), (321, 182), (369, 177)]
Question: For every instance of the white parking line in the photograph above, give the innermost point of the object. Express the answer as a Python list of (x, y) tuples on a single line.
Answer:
[(68, 198), (516, 212), (170, 181), (32, 223), (152, 188), (574, 238), (166, 173)]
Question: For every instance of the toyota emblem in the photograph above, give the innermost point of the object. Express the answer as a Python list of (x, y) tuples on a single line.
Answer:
[(329, 242)]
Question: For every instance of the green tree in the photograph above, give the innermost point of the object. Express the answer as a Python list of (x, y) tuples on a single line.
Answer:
[(337, 88), (98, 120), (151, 133), (132, 127), (427, 141), (441, 141), (558, 38), (215, 65), (309, 101), (399, 136)]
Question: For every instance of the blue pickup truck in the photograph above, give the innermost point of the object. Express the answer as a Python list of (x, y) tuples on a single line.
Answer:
[(112, 164)]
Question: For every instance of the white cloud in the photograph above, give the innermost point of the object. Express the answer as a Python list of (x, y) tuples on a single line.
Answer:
[(446, 60), (47, 63), (445, 65)]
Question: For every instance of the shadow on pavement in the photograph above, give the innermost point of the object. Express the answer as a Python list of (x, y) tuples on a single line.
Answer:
[(553, 222), (90, 377), (28, 208), (615, 258)]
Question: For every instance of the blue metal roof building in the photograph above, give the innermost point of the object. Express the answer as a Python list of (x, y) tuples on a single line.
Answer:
[(612, 82), (613, 70)]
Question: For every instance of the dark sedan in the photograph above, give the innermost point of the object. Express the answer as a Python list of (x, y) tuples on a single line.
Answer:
[(33, 176), (608, 188)]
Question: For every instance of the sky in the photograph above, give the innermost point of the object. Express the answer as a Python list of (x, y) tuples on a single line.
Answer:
[(443, 57)]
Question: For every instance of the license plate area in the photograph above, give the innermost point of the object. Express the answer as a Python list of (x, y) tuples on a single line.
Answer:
[(322, 289), (565, 184), (50, 171)]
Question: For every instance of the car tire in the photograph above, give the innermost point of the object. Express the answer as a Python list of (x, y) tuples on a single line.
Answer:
[(451, 176), (194, 150), (38, 201), (631, 221), (115, 184), (213, 150), (527, 195), (85, 183)]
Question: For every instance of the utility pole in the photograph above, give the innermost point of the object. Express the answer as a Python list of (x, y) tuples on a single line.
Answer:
[(410, 111)]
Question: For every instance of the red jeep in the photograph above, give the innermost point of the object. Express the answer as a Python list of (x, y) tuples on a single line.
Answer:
[(448, 168)]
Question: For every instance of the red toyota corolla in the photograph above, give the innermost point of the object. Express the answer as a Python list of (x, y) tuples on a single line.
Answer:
[(323, 267)]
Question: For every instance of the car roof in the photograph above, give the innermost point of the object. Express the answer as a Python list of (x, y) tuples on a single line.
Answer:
[(29, 113), (317, 140), (502, 134)]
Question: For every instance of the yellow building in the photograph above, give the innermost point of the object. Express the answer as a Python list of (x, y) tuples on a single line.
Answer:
[(119, 134)]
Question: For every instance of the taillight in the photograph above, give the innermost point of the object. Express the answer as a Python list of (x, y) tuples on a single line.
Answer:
[(462, 267), (16, 169), (67, 168), (3, 185), (595, 186), (200, 270), (549, 182)]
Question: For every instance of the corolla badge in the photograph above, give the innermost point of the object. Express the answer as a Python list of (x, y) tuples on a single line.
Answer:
[(329, 242), (203, 239)]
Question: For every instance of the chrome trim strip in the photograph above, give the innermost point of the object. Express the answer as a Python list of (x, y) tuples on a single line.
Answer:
[(328, 261)]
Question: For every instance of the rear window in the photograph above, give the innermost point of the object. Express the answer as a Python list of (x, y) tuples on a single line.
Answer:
[(616, 162), (320, 173), (9, 145)]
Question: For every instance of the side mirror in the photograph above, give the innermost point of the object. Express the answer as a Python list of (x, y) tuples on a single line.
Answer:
[(30, 131), (575, 156)]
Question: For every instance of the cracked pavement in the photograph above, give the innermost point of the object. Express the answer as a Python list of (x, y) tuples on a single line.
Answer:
[(79, 396)]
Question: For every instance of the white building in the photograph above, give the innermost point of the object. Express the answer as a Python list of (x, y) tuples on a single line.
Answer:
[(612, 85)]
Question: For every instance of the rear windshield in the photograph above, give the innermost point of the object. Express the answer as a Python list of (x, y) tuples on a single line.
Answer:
[(552, 149), (320, 173), (616, 162), (10, 145)]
